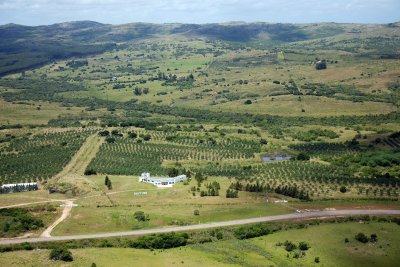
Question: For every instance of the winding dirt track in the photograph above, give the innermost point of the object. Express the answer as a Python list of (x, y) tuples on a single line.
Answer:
[(64, 215), (306, 215)]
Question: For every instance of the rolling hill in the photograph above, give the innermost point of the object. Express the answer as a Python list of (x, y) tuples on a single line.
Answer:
[(27, 47)]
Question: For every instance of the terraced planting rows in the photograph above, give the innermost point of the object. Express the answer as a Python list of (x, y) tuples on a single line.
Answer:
[(326, 149), (319, 180), (39, 157), (130, 157), (133, 156)]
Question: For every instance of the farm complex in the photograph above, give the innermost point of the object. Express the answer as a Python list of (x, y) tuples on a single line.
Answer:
[(161, 181)]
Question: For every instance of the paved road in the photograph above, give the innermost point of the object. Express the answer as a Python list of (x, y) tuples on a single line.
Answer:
[(313, 214)]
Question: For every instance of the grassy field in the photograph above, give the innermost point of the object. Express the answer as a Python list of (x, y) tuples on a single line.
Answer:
[(166, 207), (223, 83), (326, 241), (115, 257), (36, 113)]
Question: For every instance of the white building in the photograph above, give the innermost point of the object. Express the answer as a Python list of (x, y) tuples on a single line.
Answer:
[(19, 187), (161, 181)]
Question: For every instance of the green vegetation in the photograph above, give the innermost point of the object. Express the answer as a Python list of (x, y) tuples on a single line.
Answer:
[(161, 241), (210, 101), (38, 157), (16, 221), (127, 156), (60, 253), (312, 135), (321, 242)]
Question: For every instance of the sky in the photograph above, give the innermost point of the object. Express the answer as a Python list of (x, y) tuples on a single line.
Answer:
[(44, 12)]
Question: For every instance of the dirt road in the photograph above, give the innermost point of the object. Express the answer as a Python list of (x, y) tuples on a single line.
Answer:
[(305, 215), (64, 215)]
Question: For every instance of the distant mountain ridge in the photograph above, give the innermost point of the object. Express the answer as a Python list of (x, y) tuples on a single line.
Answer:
[(23, 47)]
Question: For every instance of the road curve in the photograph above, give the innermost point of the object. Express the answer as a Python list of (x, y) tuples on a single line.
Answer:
[(305, 215), (66, 211)]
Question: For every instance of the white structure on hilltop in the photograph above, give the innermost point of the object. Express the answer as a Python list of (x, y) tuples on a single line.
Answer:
[(161, 181)]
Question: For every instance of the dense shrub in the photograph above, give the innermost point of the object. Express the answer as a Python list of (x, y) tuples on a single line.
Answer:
[(304, 245), (320, 65), (289, 246), (110, 140), (140, 216), (303, 156), (361, 237), (90, 172), (17, 220), (61, 254), (161, 241), (374, 238), (250, 231)]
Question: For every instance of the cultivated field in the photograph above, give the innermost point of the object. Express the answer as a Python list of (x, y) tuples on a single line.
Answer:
[(306, 119)]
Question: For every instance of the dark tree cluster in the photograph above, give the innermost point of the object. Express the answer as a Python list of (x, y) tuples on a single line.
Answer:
[(232, 193), (116, 133), (104, 133), (90, 172), (173, 80), (140, 216), (61, 253), (212, 189), (17, 220), (74, 64), (108, 183), (161, 241), (251, 231), (361, 237), (321, 65), (292, 191)]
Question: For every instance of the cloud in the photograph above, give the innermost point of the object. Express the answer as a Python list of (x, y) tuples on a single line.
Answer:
[(33, 12)]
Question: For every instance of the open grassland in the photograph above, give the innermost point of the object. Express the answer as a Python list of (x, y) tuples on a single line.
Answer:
[(326, 242), (35, 197), (29, 113), (165, 207), (225, 77), (306, 106), (115, 257), (175, 206)]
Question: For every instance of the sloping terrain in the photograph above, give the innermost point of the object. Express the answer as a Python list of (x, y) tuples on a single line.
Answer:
[(25, 47)]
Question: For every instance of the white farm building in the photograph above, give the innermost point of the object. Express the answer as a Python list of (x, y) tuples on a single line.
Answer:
[(161, 181), (20, 187)]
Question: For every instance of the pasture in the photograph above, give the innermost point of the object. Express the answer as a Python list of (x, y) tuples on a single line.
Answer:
[(326, 241)]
